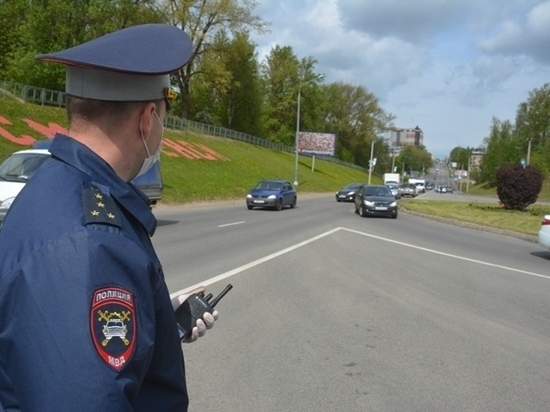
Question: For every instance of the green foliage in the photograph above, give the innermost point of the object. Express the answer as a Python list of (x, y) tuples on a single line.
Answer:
[(483, 214), (203, 21), (35, 27), (518, 187), (415, 158), (502, 148)]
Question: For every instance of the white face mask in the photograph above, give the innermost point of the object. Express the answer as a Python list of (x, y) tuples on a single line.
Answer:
[(150, 160)]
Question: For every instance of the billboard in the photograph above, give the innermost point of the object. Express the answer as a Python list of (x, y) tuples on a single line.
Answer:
[(316, 143)]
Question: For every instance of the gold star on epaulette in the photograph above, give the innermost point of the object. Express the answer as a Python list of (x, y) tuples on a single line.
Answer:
[(100, 208)]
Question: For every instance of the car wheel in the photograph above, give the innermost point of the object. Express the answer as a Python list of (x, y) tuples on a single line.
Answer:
[(249, 207), (279, 205), (394, 216), (338, 200), (362, 211), (293, 204)]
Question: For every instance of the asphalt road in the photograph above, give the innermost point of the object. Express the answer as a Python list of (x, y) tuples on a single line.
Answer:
[(333, 312)]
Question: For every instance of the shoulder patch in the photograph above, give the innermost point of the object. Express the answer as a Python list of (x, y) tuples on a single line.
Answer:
[(100, 208), (113, 326)]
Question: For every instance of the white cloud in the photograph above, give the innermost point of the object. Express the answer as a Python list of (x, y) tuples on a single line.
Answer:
[(448, 66)]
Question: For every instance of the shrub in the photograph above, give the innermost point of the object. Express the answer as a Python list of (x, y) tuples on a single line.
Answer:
[(518, 186)]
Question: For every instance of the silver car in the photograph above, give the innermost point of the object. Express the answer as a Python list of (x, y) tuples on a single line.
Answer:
[(408, 189), (394, 189)]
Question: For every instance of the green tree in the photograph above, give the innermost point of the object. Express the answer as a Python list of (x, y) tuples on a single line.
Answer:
[(202, 20), (502, 147), (461, 156), (354, 114), (75, 22), (280, 73), (533, 126), (12, 17), (241, 105), (415, 158)]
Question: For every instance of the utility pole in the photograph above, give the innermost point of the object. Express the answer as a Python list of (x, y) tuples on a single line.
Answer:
[(468, 175), (528, 150), (371, 161)]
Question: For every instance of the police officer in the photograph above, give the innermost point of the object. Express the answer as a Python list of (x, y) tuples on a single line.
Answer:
[(86, 320)]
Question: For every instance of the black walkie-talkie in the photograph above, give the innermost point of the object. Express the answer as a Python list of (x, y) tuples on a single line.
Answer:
[(194, 308)]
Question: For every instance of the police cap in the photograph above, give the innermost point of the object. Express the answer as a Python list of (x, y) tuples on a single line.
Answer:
[(132, 64)]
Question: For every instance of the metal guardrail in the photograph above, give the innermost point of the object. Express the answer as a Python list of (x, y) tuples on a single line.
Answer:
[(46, 97)]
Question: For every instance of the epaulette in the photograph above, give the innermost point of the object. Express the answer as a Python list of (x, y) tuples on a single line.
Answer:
[(100, 208)]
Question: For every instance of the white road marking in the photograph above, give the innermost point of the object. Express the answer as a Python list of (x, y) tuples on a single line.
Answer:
[(232, 224), (254, 263), (481, 262), (330, 232)]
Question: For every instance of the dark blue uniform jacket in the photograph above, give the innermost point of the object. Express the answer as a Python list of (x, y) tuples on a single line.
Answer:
[(86, 322)]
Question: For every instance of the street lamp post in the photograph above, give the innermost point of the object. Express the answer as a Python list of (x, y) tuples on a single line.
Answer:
[(525, 122), (528, 150), (371, 159), (298, 126)]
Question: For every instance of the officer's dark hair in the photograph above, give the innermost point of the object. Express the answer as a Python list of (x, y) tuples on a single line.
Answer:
[(90, 110)]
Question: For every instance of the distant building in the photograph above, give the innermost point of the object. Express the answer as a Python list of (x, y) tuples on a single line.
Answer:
[(406, 137), (476, 159)]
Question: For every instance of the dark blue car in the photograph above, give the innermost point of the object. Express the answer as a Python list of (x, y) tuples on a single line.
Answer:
[(273, 194)]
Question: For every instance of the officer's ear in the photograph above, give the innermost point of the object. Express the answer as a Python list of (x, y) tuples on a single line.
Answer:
[(147, 119)]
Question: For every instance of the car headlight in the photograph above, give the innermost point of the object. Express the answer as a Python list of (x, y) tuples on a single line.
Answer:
[(249, 196), (351, 193), (393, 204), (6, 203), (271, 197), (368, 203)]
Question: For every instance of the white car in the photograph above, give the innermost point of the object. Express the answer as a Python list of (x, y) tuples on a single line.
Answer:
[(544, 232), (14, 173), (20, 166)]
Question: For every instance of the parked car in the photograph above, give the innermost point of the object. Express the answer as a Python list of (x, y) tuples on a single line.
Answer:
[(429, 185), (375, 200), (394, 189), (544, 232), (273, 194), (15, 171), (408, 189), (347, 193), (20, 166)]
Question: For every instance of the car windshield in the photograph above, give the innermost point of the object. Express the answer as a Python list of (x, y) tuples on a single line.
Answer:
[(391, 186), (266, 185), (351, 186), (377, 191), (22, 166)]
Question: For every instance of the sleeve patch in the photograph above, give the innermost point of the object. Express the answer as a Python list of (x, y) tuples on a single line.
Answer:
[(100, 208), (113, 326)]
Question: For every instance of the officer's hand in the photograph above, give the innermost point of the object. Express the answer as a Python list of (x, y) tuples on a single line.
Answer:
[(207, 322)]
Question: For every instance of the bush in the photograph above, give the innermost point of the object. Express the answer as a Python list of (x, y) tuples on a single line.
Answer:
[(518, 186)]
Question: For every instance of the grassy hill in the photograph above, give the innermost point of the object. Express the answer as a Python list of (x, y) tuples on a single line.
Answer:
[(189, 180)]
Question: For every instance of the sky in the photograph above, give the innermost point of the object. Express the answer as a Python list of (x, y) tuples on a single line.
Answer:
[(446, 66)]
